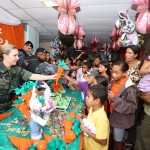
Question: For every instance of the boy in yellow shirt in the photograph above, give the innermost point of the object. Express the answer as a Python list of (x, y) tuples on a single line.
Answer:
[(95, 99)]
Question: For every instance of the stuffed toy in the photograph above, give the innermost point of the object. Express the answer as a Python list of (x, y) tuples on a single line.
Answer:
[(35, 117), (127, 26), (49, 104)]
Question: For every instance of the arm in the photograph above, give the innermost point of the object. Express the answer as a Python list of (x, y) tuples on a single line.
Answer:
[(78, 57), (74, 68), (145, 69), (70, 79), (93, 136), (42, 77)]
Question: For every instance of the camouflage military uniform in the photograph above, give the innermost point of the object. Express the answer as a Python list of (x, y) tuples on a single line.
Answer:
[(9, 79)]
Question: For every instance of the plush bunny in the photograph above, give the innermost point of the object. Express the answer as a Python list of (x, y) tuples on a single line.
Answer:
[(127, 26), (49, 104), (35, 117)]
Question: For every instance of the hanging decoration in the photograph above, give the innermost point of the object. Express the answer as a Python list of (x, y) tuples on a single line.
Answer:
[(94, 44), (85, 47), (78, 37), (106, 47), (67, 10), (55, 47), (127, 26), (143, 19), (114, 36)]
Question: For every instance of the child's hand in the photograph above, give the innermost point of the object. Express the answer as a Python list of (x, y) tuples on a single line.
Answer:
[(78, 116), (110, 95), (83, 128)]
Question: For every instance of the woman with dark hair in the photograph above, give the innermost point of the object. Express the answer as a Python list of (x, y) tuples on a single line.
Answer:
[(132, 58)]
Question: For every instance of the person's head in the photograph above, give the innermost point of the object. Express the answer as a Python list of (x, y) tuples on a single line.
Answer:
[(68, 61), (48, 57), (104, 68), (97, 60), (101, 80), (72, 73), (41, 53), (28, 46), (97, 94), (9, 54), (132, 53), (119, 69), (78, 62), (86, 66)]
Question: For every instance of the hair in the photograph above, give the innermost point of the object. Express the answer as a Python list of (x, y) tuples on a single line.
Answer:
[(136, 49), (99, 91), (6, 49), (99, 57), (88, 64), (106, 65), (70, 59), (102, 80), (124, 66), (29, 43)]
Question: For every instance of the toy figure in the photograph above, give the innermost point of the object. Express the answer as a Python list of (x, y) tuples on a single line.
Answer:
[(127, 26), (35, 117)]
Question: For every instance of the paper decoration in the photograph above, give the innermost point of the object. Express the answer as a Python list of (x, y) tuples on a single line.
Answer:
[(143, 19), (78, 37), (94, 44), (67, 10)]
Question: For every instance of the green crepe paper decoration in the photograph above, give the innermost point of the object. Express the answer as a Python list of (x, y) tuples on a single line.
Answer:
[(19, 100), (80, 108), (76, 127), (56, 144), (62, 64), (41, 99), (33, 147), (27, 86)]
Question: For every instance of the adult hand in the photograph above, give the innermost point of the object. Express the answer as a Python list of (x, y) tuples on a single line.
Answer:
[(53, 76)]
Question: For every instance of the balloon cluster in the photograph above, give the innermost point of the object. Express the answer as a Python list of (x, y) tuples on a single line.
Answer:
[(78, 37), (94, 44), (114, 36), (143, 19)]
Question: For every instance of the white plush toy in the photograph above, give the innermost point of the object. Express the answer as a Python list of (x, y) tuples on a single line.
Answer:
[(49, 104), (127, 26), (89, 125), (35, 117)]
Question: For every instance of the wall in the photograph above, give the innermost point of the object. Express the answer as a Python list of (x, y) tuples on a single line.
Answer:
[(30, 34)]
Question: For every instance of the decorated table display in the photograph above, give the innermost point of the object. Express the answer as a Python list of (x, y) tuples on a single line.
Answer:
[(61, 130)]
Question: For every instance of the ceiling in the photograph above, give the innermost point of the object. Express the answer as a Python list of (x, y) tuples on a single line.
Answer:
[(97, 17)]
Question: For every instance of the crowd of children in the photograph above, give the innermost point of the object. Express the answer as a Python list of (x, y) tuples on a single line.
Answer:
[(112, 95)]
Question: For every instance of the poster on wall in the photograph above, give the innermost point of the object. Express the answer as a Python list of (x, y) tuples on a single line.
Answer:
[(12, 34)]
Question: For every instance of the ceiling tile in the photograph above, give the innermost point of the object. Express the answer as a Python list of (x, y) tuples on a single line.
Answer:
[(28, 3), (7, 4), (42, 13), (33, 23), (49, 22), (41, 29), (19, 13)]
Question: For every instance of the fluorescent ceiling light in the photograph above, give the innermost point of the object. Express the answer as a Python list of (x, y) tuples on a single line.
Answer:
[(48, 3), (7, 18)]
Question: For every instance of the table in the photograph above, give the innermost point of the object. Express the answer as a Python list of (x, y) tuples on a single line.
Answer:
[(5, 143)]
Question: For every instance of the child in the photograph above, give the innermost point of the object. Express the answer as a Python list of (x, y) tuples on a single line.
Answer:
[(124, 102), (97, 116), (104, 69)]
